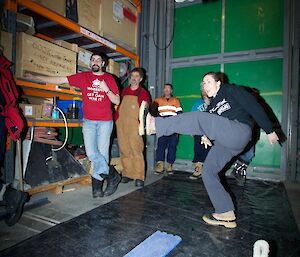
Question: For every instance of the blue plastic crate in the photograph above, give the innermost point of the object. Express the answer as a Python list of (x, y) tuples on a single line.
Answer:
[(64, 104)]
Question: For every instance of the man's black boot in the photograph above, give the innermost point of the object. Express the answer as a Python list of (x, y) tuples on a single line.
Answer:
[(15, 200), (113, 181), (97, 188)]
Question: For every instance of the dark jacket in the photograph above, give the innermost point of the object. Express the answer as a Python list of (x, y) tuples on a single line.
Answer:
[(235, 103)]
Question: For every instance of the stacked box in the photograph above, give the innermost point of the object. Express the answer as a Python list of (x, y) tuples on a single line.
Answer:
[(58, 6), (67, 45), (32, 110), (6, 43), (25, 23), (83, 59), (118, 22), (46, 103), (38, 56), (113, 67), (88, 14)]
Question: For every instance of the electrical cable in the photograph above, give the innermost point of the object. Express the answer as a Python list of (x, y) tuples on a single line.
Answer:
[(67, 132), (154, 25), (49, 158)]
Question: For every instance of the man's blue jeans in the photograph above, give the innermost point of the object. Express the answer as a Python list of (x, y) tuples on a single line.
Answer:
[(96, 135), (247, 157)]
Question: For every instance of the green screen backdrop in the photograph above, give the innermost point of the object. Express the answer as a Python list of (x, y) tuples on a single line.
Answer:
[(266, 76), (253, 24), (197, 30), (249, 25), (186, 83)]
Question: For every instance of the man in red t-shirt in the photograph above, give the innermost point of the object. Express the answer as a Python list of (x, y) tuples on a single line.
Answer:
[(130, 142), (99, 90)]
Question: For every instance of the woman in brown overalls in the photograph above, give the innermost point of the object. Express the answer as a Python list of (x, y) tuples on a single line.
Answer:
[(131, 144)]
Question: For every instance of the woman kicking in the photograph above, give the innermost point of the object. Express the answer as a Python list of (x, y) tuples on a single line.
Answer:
[(228, 124)]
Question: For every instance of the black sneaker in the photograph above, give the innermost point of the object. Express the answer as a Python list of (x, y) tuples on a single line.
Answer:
[(239, 171), (139, 183), (15, 201)]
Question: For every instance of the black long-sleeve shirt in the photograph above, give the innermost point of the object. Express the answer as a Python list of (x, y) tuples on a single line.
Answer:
[(235, 103)]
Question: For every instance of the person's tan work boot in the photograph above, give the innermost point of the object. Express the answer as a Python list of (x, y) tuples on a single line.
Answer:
[(169, 169), (159, 169), (197, 171), (229, 215), (226, 219)]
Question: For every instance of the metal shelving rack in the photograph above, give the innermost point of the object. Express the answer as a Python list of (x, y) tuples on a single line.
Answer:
[(52, 26)]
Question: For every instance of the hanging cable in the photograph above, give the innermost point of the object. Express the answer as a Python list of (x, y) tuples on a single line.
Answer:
[(66, 136), (67, 132), (154, 25)]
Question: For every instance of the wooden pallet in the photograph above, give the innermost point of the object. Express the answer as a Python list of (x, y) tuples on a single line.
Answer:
[(58, 187)]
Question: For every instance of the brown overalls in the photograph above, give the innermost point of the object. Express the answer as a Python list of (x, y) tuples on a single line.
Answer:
[(131, 144)]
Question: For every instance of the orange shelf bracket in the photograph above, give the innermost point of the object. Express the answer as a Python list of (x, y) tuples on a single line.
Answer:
[(44, 37), (10, 5), (53, 123), (137, 4), (51, 88)]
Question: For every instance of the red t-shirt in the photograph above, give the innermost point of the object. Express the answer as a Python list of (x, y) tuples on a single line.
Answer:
[(96, 104), (140, 92)]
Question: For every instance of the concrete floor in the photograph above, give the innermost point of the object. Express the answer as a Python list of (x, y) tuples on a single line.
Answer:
[(77, 200), (56, 209)]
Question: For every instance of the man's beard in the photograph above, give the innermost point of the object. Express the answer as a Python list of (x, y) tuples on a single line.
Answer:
[(95, 68)]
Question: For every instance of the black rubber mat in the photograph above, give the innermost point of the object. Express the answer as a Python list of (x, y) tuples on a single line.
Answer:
[(174, 205)]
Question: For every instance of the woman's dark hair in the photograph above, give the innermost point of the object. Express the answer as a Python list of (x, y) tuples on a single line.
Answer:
[(218, 76)]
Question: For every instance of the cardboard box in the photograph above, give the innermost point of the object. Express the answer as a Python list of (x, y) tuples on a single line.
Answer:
[(113, 67), (118, 22), (47, 110), (25, 23), (83, 58), (67, 45), (41, 57), (37, 100), (6, 43), (88, 14), (32, 110), (58, 6), (46, 103)]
